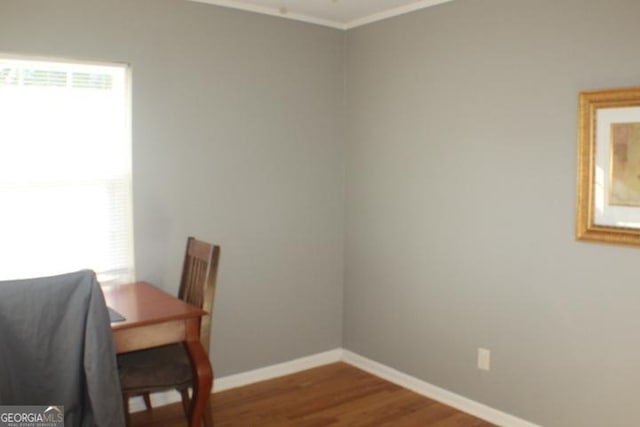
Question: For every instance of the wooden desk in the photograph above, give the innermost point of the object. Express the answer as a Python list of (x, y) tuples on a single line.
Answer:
[(155, 318)]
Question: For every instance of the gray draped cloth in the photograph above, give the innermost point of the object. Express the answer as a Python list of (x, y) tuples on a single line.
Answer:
[(56, 348)]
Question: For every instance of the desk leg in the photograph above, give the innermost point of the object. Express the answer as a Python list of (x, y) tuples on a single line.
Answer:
[(202, 374)]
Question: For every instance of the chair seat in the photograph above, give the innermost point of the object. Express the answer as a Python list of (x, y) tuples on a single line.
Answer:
[(157, 368)]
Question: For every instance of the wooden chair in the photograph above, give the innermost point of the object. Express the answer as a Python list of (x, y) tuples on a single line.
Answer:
[(169, 367)]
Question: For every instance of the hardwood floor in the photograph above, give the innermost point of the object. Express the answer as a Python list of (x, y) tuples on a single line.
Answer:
[(336, 395)]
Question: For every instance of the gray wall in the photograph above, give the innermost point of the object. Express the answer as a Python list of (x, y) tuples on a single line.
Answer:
[(461, 175), (236, 140), (461, 131)]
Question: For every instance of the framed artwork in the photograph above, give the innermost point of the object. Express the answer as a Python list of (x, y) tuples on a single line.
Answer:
[(608, 208)]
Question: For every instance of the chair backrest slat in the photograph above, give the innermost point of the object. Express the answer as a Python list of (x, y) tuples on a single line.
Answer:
[(198, 283)]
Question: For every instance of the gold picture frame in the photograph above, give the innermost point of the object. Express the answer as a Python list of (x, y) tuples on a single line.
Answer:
[(608, 204)]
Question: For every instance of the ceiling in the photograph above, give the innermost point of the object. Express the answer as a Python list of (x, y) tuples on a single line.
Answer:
[(342, 14)]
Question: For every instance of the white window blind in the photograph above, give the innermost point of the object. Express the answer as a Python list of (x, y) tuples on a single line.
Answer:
[(65, 169)]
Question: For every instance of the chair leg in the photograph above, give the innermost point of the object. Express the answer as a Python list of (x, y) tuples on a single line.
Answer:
[(186, 407), (147, 401), (186, 402), (125, 405), (208, 414)]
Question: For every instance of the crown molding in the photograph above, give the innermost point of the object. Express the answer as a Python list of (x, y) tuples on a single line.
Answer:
[(234, 4), (396, 11), (273, 12)]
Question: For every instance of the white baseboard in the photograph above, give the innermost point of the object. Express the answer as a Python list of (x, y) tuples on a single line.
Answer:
[(436, 393), (378, 369), (136, 404), (279, 370), (245, 378)]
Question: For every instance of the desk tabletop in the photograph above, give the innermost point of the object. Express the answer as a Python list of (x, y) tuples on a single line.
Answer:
[(144, 304)]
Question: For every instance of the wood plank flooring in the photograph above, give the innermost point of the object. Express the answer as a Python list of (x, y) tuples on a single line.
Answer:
[(336, 395)]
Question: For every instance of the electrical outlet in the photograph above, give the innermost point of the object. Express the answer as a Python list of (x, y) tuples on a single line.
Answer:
[(484, 359)]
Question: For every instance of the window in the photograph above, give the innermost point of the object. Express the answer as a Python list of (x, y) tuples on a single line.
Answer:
[(65, 169)]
